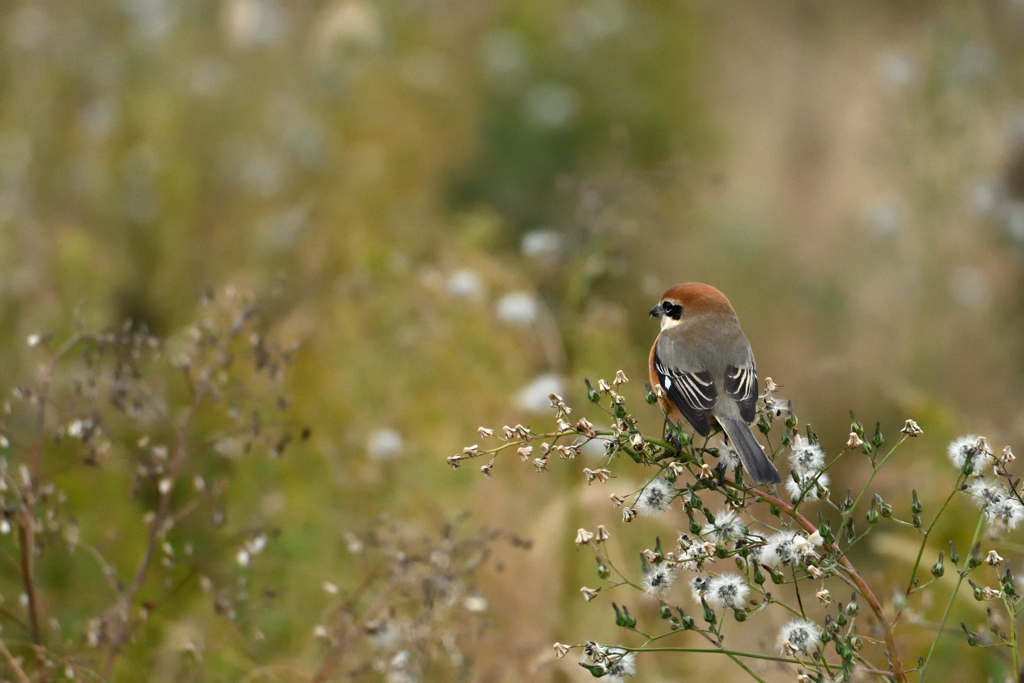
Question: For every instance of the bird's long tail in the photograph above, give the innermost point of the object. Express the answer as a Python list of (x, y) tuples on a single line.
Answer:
[(755, 462)]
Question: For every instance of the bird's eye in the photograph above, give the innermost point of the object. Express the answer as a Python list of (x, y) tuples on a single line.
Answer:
[(674, 311), (667, 305)]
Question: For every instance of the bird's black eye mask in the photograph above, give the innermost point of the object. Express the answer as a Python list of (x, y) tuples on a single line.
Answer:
[(674, 311)]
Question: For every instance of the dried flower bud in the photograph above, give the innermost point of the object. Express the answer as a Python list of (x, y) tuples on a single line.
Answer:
[(823, 596), (628, 514), (486, 469), (911, 429), (485, 432), (602, 534), (541, 464), (455, 461), (854, 441), (617, 500), (583, 537), (620, 378), (770, 386), (603, 387), (602, 475), (650, 556), (585, 428), (471, 451), (1007, 457), (993, 558), (588, 593), (525, 452), (561, 650)]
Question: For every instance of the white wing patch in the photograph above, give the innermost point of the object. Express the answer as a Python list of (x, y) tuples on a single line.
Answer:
[(742, 382), (697, 392)]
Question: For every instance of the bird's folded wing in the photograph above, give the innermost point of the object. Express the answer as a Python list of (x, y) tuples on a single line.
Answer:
[(692, 392), (741, 386)]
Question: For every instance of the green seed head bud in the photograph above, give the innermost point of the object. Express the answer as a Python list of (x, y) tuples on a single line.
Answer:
[(856, 643), (739, 614), (592, 395), (666, 611), (709, 614), (972, 637), (763, 426), (853, 609), (855, 426), (915, 505), (758, 576), (877, 440), (938, 569), (649, 397), (602, 569), (872, 515), (954, 556)]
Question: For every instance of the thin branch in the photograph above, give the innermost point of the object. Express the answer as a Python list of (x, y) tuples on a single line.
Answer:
[(13, 663)]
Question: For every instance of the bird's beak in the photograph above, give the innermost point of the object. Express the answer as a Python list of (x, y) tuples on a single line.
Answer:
[(657, 311)]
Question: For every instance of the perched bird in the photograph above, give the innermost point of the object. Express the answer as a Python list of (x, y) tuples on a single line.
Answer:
[(704, 363)]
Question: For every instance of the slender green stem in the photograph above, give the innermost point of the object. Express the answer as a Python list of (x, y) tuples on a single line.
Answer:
[(924, 541), (708, 650), (874, 470), (949, 604), (1011, 610)]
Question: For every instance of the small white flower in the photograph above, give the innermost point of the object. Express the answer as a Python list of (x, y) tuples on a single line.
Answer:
[(806, 458), (561, 650), (656, 497), (726, 590), (658, 580), (727, 527), (810, 486), (588, 593), (971, 447), (993, 558), (799, 636)]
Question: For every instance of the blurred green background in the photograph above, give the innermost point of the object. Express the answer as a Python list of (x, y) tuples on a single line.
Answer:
[(458, 206)]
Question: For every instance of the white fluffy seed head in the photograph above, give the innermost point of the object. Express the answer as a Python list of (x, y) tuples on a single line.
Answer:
[(801, 635), (727, 528), (656, 497), (726, 590), (811, 486), (806, 458), (967, 447), (658, 580)]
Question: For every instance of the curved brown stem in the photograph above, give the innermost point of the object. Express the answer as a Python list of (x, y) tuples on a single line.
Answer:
[(858, 580)]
